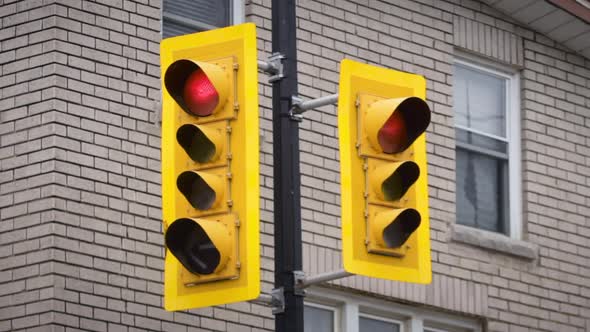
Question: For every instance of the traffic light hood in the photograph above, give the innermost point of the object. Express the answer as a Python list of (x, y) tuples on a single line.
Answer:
[(394, 227), (392, 180), (394, 124), (200, 88), (201, 246), (201, 143), (203, 190)]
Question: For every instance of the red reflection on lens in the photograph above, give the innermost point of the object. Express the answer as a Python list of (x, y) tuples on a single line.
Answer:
[(199, 94), (393, 136)]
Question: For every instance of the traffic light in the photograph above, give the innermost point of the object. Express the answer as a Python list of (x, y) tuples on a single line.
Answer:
[(210, 167), (382, 117)]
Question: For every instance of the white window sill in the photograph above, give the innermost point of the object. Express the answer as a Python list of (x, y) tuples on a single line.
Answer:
[(494, 241)]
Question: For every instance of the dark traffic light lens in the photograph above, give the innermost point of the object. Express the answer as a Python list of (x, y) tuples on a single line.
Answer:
[(195, 142), (408, 121), (398, 183), (191, 245), (196, 190), (200, 96), (400, 229)]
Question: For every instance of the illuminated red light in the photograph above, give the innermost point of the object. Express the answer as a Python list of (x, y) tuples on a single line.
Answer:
[(393, 136), (200, 96)]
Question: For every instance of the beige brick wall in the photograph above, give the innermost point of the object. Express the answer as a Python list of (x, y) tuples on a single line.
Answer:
[(80, 230)]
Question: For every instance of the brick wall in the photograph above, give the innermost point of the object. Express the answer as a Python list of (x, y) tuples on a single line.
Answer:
[(31, 186), (80, 230)]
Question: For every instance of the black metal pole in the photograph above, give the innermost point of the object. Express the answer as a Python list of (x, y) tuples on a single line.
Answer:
[(287, 205)]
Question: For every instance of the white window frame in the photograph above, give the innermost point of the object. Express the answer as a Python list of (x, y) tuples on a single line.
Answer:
[(349, 307), (236, 17), (513, 136)]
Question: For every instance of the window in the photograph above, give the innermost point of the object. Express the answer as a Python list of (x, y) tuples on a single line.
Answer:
[(328, 310), (377, 324), (441, 327), (187, 16), (318, 318), (487, 147)]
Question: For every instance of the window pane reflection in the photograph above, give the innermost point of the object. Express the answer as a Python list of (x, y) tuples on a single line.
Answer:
[(480, 101), (374, 325), (318, 319)]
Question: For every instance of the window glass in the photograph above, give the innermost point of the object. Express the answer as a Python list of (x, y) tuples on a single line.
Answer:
[(480, 100), (444, 328), (318, 319), (172, 28), (188, 16), (482, 183), (374, 325)]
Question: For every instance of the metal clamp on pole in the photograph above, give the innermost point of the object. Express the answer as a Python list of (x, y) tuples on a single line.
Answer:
[(322, 277), (277, 301), (299, 106), (298, 278), (273, 67)]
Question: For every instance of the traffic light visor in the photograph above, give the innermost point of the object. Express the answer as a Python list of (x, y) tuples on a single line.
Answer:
[(392, 181), (201, 246), (202, 144), (201, 189), (394, 124), (396, 226), (199, 88)]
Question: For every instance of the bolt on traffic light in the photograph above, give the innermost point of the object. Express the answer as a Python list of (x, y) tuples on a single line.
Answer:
[(210, 167), (382, 118)]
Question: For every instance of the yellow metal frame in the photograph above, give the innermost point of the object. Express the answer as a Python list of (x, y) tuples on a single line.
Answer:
[(237, 43), (357, 80)]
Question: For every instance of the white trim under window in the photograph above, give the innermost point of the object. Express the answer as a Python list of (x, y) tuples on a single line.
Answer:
[(349, 307), (513, 135)]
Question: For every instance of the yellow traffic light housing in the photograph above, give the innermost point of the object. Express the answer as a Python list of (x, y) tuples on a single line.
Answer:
[(382, 117), (210, 167)]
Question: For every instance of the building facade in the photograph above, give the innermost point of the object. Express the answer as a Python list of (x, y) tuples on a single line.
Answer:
[(508, 82)]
